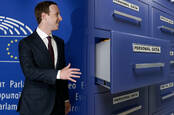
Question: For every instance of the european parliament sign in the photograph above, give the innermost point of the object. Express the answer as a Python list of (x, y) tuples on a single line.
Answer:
[(11, 83)]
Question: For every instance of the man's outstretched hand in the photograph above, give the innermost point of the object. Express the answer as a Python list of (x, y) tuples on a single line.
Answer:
[(68, 73)]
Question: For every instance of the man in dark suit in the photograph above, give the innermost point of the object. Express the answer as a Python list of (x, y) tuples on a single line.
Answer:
[(43, 63)]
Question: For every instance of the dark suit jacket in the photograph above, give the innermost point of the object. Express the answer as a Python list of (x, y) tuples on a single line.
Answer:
[(41, 90)]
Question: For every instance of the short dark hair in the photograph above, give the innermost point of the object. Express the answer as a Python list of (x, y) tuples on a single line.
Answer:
[(42, 7)]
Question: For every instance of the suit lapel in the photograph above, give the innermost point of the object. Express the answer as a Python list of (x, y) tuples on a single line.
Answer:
[(41, 46)]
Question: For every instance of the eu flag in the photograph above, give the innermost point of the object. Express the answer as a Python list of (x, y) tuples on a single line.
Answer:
[(11, 32)]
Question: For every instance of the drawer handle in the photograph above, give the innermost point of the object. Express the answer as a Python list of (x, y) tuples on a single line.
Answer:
[(149, 65), (129, 110), (127, 17), (168, 96), (172, 1), (172, 62), (166, 29)]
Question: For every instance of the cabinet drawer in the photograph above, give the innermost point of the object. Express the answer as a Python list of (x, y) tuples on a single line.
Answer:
[(161, 96), (122, 15), (126, 103), (133, 60), (163, 25), (165, 3)]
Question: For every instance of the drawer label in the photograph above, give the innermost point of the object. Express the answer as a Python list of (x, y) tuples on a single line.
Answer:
[(127, 4), (146, 48), (126, 97), (166, 86), (164, 19), (171, 53)]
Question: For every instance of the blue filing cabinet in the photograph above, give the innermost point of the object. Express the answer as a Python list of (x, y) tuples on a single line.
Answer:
[(129, 47), (161, 96), (133, 102), (134, 60)]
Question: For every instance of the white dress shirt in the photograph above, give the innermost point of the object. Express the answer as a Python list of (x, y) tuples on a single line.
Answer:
[(44, 36)]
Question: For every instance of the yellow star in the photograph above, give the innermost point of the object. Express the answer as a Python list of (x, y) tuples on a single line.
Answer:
[(16, 40), (8, 53), (16, 57), (8, 44), (7, 49), (11, 41)]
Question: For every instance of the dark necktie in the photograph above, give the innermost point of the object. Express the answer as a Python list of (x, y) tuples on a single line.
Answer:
[(50, 48)]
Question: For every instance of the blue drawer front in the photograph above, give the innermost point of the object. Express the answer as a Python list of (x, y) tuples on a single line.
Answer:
[(137, 68), (167, 111), (163, 25), (161, 96), (171, 61), (132, 102), (115, 15), (165, 3)]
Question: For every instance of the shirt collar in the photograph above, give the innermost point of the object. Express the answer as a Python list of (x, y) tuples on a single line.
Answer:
[(42, 34)]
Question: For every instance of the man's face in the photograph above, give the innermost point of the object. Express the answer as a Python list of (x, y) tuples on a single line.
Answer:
[(53, 18)]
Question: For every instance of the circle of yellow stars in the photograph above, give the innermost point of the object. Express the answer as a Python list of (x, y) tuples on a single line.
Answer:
[(8, 49)]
